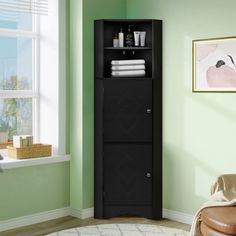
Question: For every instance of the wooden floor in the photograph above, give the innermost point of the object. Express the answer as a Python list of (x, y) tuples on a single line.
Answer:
[(70, 222)]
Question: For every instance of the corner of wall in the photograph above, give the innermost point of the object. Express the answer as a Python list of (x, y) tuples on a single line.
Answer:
[(76, 103)]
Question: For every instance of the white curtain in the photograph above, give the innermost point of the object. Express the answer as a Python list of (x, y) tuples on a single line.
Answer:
[(39, 7)]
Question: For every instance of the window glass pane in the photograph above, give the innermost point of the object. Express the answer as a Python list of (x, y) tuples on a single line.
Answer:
[(16, 116), (15, 20), (15, 63)]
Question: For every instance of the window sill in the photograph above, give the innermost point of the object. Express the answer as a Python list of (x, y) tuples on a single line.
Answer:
[(10, 163)]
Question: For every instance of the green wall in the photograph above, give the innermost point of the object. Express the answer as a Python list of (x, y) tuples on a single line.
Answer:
[(82, 16), (29, 190), (199, 128)]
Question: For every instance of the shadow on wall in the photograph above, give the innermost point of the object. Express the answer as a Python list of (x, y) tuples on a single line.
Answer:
[(185, 186), (188, 177)]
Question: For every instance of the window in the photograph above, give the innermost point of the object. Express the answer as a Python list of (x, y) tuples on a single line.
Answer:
[(19, 95), (33, 71)]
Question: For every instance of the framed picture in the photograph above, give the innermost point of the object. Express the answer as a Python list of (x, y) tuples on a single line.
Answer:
[(214, 65)]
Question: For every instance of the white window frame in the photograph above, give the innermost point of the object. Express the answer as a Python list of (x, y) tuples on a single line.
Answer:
[(34, 92), (52, 113)]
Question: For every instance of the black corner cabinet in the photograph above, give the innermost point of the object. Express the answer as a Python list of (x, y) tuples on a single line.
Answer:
[(128, 124)]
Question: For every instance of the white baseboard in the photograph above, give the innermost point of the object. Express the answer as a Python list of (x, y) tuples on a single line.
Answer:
[(178, 216), (168, 214), (81, 214), (45, 216), (33, 219)]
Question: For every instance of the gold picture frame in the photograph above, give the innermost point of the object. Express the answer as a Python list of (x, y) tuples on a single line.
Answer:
[(214, 65)]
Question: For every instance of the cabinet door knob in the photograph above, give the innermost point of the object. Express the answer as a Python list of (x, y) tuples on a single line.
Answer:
[(148, 175), (149, 111)]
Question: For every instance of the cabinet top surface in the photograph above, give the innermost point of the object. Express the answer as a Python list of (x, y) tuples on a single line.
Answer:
[(128, 20)]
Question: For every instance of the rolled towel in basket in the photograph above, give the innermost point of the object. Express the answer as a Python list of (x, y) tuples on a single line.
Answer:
[(128, 73), (128, 62), (128, 67)]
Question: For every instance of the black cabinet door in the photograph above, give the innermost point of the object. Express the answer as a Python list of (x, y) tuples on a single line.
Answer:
[(127, 110), (127, 174)]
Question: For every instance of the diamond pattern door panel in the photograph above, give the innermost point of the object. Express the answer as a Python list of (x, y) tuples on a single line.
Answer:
[(128, 111), (127, 174)]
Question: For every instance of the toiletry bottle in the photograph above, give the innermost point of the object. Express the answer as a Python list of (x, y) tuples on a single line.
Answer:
[(129, 40), (136, 38), (142, 38), (121, 39), (115, 41)]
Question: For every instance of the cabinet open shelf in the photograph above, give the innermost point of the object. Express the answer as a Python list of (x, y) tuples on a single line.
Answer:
[(119, 142), (118, 78), (127, 48)]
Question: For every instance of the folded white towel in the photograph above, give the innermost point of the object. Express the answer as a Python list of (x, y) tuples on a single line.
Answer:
[(128, 67), (128, 62), (128, 73)]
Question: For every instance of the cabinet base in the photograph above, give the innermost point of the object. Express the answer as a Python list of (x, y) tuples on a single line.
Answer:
[(119, 211)]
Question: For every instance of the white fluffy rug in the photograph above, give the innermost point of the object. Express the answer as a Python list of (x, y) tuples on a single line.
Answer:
[(122, 230)]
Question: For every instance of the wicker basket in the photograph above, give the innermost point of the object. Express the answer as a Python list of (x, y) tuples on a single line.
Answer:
[(4, 145), (37, 150)]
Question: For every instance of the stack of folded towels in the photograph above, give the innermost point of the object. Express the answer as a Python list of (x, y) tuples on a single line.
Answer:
[(128, 68)]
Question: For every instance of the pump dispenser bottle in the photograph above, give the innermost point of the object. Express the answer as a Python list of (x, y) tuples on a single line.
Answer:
[(121, 38), (129, 39)]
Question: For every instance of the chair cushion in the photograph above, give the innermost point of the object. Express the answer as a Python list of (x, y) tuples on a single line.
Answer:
[(208, 231), (221, 219)]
